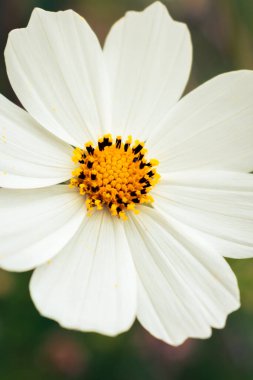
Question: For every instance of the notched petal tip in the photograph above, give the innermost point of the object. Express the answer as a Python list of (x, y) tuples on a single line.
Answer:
[(77, 327), (40, 11), (157, 6)]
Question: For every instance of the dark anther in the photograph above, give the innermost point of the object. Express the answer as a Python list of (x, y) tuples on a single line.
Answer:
[(119, 200), (143, 180), (147, 185), (143, 191), (126, 146), (106, 141), (133, 193), (89, 164), (135, 159), (110, 204), (118, 209), (118, 143), (94, 189), (149, 164), (141, 156), (135, 200), (81, 176), (83, 158), (101, 145), (142, 165), (151, 174), (90, 149), (137, 149)]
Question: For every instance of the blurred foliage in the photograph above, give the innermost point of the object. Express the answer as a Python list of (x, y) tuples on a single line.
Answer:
[(32, 347)]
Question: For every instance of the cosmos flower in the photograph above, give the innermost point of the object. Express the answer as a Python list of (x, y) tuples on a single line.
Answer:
[(123, 198)]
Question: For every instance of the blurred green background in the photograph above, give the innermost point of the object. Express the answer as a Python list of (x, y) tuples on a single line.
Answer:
[(32, 347)]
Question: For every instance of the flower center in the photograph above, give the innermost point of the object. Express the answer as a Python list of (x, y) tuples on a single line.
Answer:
[(115, 174)]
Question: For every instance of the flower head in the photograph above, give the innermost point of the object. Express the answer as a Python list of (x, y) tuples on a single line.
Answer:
[(118, 227), (115, 175)]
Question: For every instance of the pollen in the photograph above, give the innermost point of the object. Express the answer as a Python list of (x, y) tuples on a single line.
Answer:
[(115, 174)]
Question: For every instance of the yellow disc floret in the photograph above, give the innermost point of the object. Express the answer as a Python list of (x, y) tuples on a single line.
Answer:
[(114, 174)]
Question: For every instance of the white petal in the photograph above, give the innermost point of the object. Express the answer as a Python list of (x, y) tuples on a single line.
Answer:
[(30, 156), (212, 127), (184, 287), (91, 284), (219, 204), (36, 224), (56, 67), (149, 59)]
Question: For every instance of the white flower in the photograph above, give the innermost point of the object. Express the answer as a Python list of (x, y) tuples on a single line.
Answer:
[(165, 264)]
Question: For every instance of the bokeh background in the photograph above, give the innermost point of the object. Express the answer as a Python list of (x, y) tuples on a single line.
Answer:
[(32, 347)]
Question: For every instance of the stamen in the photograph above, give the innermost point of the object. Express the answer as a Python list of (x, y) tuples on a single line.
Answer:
[(89, 148), (138, 147), (101, 144), (118, 142), (81, 176), (89, 164)]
